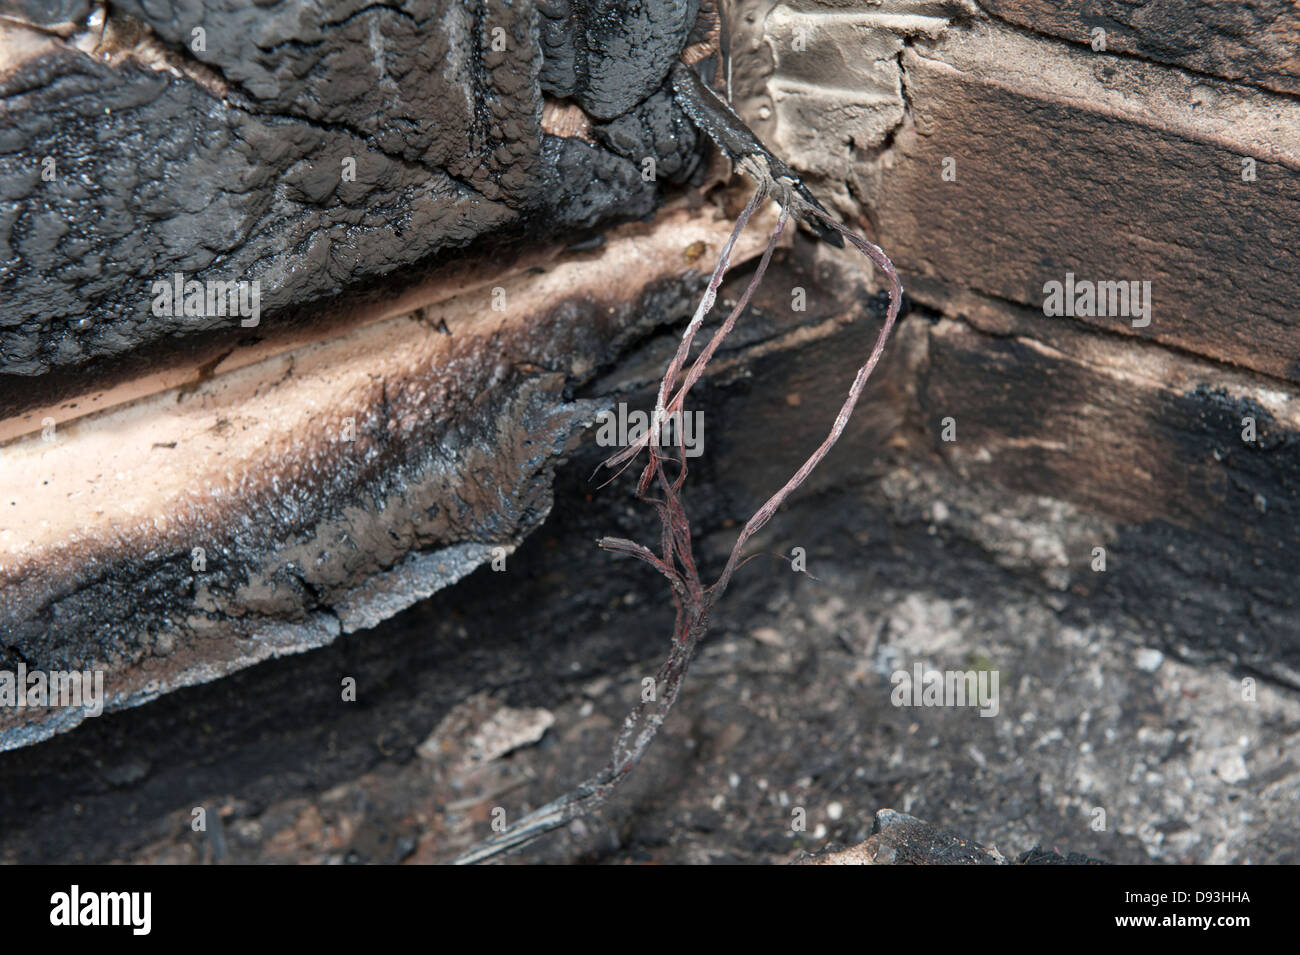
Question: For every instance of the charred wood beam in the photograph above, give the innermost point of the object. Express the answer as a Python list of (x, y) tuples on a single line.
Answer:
[(267, 509), (311, 149), (376, 410)]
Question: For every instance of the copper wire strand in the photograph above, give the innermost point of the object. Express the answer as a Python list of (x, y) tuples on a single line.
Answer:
[(692, 600)]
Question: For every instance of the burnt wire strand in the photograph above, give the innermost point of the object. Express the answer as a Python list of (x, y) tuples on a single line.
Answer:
[(693, 601)]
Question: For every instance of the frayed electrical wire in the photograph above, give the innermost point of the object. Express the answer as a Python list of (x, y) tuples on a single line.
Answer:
[(693, 600)]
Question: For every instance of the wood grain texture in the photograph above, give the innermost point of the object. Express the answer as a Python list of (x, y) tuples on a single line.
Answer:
[(1252, 41), (1071, 163)]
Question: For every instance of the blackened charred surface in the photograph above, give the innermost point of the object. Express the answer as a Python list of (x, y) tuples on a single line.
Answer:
[(154, 177), (330, 537), (901, 839), (1040, 856), (589, 180), (438, 104), (568, 618), (1207, 525), (1225, 588), (289, 551), (905, 840), (563, 615), (281, 728), (447, 85), (810, 715), (609, 55), (655, 128)]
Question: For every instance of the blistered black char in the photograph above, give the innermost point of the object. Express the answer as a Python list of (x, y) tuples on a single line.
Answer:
[(240, 167)]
